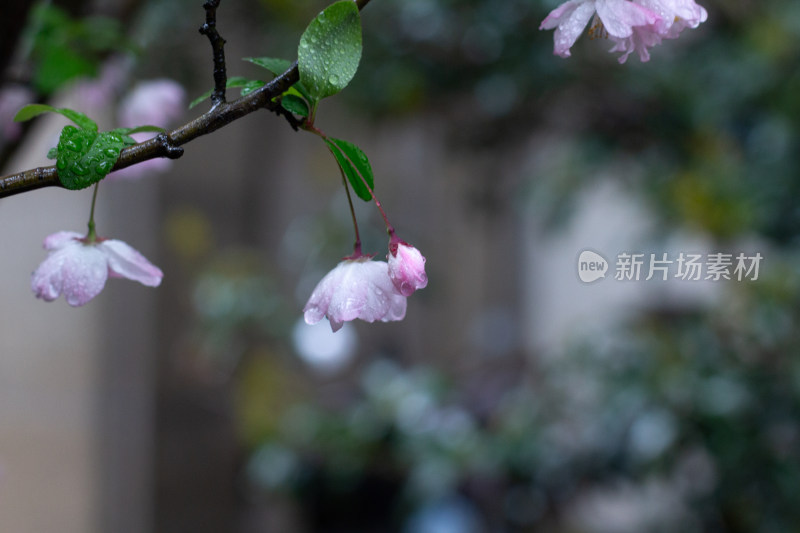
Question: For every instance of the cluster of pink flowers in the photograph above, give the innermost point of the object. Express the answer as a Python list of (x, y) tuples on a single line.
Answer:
[(370, 290), (633, 25), (78, 267)]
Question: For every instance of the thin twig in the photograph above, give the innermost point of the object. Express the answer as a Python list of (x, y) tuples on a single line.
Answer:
[(209, 29)]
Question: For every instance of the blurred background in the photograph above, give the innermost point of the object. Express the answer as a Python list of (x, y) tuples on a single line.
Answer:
[(513, 397)]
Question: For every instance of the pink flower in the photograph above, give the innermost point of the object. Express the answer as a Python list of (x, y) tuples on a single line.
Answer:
[(79, 269), (617, 18), (356, 288), (406, 267), (152, 103), (674, 16)]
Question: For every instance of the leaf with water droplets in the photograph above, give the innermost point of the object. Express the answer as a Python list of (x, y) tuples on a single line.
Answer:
[(278, 66), (355, 165), (84, 157), (34, 110), (330, 50)]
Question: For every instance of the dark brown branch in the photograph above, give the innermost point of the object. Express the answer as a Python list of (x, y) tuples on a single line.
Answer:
[(209, 29), (168, 145)]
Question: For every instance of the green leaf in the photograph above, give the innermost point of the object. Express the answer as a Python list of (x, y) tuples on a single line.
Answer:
[(246, 85), (275, 65), (34, 110), (278, 66), (251, 86), (85, 157), (139, 129), (355, 165), (52, 153), (330, 50), (294, 104)]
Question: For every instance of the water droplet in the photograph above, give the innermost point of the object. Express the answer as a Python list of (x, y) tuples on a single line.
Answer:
[(333, 79), (79, 169)]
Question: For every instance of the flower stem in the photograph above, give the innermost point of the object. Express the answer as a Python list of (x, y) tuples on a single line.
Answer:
[(91, 236), (316, 131), (357, 245)]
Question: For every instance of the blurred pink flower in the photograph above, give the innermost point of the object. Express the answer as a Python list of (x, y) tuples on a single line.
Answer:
[(406, 267), (152, 103), (12, 98), (356, 288), (617, 18), (79, 269), (145, 168)]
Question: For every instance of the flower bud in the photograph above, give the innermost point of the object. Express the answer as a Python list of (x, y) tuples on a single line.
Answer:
[(406, 267)]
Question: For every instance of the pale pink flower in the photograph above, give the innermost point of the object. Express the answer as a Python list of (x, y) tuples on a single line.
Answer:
[(145, 168), (356, 288), (406, 267), (673, 17), (79, 269), (617, 17), (152, 103)]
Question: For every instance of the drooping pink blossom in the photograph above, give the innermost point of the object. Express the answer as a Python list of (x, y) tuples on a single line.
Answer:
[(617, 17), (79, 269), (406, 267), (673, 17), (355, 288)]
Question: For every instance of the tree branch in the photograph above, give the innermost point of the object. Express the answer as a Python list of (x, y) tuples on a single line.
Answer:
[(168, 145), (209, 29)]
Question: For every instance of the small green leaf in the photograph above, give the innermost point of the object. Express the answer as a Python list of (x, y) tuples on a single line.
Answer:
[(278, 66), (246, 85), (330, 50), (355, 165), (251, 86), (139, 129), (275, 65), (34, 110), (52, 153), (294, 104), (200, 99), (84, 157)]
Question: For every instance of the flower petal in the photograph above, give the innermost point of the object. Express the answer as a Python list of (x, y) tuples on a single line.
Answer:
[(61, 239), (83, 273), (570, 25), (620, 16), (124, 261)]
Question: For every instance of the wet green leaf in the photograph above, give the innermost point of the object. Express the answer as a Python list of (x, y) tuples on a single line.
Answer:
[(278, 66), (84, 157), (34, 110), (330, 50), (355, 165), (294, 104)]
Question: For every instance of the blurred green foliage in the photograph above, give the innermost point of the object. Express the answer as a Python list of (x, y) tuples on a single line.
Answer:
[(64, 48)]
